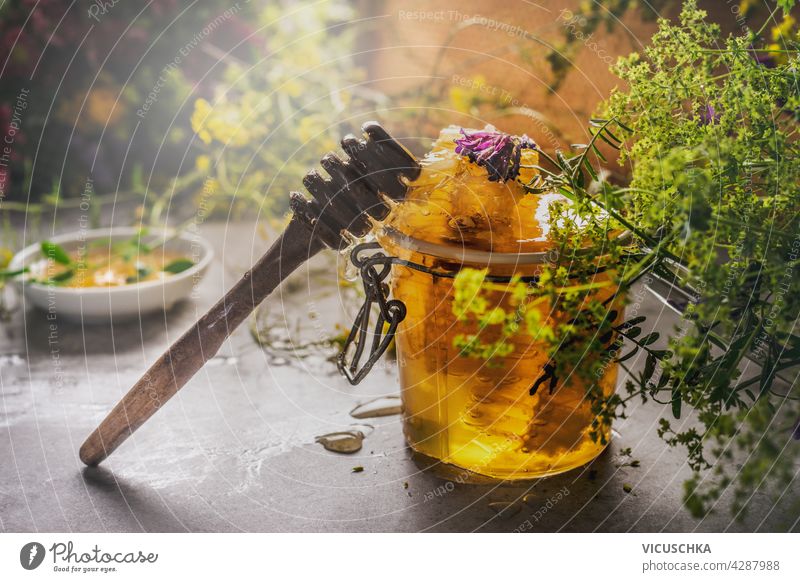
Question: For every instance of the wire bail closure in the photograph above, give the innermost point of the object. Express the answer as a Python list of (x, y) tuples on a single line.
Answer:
[(391, 311)]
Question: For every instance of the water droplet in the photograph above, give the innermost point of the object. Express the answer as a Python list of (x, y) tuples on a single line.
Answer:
[(349, 272), (346, 441), (363, 427), (223, 361), (504, 509), (383, 406)]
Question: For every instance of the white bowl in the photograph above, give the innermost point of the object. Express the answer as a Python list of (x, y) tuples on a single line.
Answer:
[(124, 302)]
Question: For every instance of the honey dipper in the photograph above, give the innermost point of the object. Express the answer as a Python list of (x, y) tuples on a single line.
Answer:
[(375, 166)]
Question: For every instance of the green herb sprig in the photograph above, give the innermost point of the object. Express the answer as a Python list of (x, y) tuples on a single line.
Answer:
[(709, 127)]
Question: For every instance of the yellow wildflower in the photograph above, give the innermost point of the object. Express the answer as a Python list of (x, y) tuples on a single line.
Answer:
[(779, 35), (293, 88), (465, 96), (309, 128), (202, 163), (202, 110), (5, 257), (304, 57), (211, 187), (221, 123), (784, 29), (745, 6)]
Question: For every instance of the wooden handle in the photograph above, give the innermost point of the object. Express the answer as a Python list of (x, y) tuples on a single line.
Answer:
[(201, 342)]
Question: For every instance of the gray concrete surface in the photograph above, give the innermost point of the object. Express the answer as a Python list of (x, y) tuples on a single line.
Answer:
[(235, 450)]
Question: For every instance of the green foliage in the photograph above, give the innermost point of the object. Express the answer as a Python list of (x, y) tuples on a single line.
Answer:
[(709, 127), (178, 266), (469, 302), (715, 123), (55, 252), (271, 120)]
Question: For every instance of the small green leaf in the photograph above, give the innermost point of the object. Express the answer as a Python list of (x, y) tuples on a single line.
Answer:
[(55, 252), (563, 162), (178, 266), (14, 273), (623, 126), (598, 153), (633, 322), (633, 332), (612, 136), (787, 5), (629, 355), (588, 165), (650, 338), (676, 401), (649, 367), (141, 273)]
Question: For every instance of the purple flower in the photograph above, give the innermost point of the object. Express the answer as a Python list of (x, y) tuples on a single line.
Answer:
[(709, 116), (498, 152), (796, 431), (764, 59)]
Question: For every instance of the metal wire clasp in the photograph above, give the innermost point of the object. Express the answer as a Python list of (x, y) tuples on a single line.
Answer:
[(391, 311)]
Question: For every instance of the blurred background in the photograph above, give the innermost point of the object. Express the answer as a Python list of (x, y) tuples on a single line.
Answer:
[(160, 109)]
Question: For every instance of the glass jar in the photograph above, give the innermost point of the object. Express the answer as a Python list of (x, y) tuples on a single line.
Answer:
[(475, 414), (505, 416)]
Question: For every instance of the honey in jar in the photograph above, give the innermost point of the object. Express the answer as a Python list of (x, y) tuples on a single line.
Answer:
[(466, 412)]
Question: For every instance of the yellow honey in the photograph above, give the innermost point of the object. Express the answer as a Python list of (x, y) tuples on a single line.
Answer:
[(102, 267), (468, 412)]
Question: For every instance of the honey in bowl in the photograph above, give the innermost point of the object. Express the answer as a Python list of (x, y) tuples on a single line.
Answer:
[(470, 412)]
